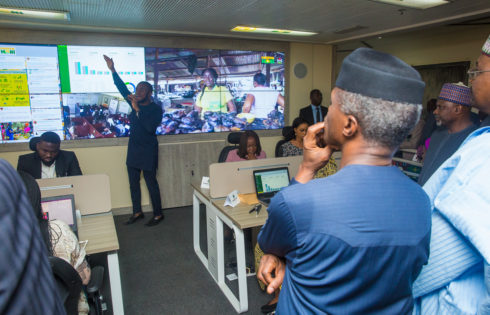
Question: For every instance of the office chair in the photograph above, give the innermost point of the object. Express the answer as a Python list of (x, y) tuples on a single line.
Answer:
[(233, 138), (70, 285), (68, 282), (33, 142), (285, 131)]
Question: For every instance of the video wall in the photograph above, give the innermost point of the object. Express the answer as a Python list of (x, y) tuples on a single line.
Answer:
[(69, 90)]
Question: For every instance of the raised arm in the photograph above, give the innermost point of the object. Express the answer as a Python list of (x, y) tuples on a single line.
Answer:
[(121, 86)]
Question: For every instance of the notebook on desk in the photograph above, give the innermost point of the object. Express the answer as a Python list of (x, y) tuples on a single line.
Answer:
[(269, 181), (61, 208)]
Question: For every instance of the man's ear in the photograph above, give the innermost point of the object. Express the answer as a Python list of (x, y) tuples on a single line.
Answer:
[(351, 126)]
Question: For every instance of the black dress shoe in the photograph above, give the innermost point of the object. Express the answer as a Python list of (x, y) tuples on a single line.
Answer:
[(134, 218), (268, 308), (154, 221)]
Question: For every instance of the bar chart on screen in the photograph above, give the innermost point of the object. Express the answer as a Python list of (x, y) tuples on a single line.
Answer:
[(88, 71)]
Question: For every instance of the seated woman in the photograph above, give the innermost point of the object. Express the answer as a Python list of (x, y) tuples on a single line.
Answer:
[(60, 239), (248, 149), (294, 147), (294, 144)]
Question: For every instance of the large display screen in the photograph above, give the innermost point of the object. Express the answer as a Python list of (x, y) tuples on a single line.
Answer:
[(30, 101), (70, 90)]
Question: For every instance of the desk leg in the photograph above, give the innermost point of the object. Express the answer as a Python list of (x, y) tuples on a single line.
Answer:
[(196, 230), (115, 279), (240, 304), (241, 269)]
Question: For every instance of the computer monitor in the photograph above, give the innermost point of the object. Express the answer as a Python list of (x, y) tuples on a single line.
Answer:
[(61, 208), (269, 181)]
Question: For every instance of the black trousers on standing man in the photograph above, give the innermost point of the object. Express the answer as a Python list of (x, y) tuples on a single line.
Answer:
[(134, 175)]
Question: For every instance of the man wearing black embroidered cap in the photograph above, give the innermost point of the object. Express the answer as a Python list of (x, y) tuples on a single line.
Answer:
[(353, 242)]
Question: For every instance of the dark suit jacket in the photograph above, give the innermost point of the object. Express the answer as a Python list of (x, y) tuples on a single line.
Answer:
[(66, 164), (307, 114)]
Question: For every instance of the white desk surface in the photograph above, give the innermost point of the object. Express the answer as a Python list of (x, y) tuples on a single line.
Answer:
[(239, 214), (100, 231)]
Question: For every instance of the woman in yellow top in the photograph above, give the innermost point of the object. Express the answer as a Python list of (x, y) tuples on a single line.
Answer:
[(214, 98)]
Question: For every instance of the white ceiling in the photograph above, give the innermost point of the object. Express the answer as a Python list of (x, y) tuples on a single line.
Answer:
[(217, 17)]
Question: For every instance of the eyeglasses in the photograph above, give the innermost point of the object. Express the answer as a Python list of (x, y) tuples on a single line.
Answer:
[(473, 73)]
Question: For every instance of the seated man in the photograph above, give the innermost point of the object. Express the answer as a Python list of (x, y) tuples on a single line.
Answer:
[(49, 161), (453, 112), (353, 242)]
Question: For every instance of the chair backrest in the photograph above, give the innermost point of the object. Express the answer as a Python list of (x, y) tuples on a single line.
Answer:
[(233, 138), (68, 282), (33, 142), (285, 131)]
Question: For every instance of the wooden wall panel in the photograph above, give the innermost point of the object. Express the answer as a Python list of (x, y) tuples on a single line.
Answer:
[(179, 164)]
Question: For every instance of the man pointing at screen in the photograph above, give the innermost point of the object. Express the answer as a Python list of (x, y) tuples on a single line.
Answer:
[(143, 145)]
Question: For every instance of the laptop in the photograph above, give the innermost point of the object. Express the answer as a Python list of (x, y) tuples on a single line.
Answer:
[(61, 208), (269, 181)]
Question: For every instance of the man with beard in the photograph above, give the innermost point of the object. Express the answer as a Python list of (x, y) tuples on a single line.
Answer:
[(456, 279), (453, 113), (49, 161)]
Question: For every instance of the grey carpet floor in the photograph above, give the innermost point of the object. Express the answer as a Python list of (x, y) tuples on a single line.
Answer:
[(161, 274)]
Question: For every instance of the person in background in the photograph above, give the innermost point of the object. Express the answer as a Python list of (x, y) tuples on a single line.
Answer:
[(142, 154), (315, 112), (412, 140), (453, 114), (59, 239), (49, 161), (430, 121), (262, 99), (26, 280), (214, 98), (456, 279), (354, 242), (248, 149), (294, 146)]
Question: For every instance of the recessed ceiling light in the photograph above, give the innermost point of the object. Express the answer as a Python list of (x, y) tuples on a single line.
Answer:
[(263, 30), (35, 14), (416, 4)]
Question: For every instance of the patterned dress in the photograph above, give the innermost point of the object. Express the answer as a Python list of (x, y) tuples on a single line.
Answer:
[(66, 246)]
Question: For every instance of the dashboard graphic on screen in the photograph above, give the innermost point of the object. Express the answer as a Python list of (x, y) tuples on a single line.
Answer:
[(69, 90)]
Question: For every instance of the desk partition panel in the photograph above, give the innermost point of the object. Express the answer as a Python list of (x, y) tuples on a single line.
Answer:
[(226, 177)]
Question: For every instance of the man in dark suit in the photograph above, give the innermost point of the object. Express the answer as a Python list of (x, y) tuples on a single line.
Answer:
[(48, 161), (315, 111), (142, 154)]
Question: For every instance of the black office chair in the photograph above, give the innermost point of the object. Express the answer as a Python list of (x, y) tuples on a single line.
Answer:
[(285, 131), (68, 282), (33, 142), (70, 285), (233, 138)]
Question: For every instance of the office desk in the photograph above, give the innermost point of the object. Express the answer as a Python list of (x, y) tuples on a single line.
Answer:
[(236, 218), (100, 231)]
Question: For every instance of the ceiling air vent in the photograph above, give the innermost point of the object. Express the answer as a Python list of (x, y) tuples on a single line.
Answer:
[(350, 29)]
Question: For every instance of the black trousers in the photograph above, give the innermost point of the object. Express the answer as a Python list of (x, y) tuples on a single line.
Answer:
[(134, 175)]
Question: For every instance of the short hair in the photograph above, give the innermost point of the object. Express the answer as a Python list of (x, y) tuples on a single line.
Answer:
[(260, 78), (51, 137), (242, 147), (315, 91), (148, 85), (382, 122)]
